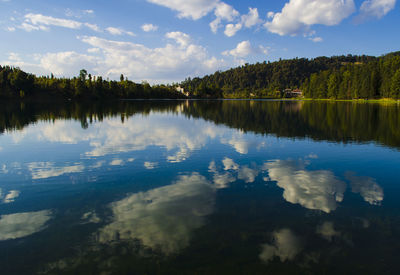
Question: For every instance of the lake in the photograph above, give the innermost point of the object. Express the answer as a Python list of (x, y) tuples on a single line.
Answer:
[(200, 187)]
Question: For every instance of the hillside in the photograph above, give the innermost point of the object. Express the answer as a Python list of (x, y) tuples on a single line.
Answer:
[(351, 74)]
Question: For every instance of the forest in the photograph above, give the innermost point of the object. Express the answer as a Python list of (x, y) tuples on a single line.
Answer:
[(17, 84), (337, 77)]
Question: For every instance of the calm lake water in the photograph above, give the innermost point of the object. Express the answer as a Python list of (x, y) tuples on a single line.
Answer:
[(200, 187)]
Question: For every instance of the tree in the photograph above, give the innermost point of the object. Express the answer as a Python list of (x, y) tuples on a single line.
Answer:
[(82, 75), (395, 87)]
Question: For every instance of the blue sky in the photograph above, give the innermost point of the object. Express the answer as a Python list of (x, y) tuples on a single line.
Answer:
[(162, 41)]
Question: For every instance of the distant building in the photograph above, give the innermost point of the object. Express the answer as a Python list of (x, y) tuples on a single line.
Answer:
[(182, 91), (292, 93)]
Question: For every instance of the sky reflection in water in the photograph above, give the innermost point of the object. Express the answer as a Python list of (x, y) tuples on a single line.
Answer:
[(157, 190)]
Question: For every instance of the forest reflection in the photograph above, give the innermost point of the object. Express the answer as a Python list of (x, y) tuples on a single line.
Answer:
[(330, 121)]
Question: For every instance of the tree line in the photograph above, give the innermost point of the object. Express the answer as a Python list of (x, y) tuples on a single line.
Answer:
[(15, 83), (338, 77)]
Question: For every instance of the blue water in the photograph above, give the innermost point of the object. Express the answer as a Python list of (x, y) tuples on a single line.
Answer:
[(172, 192)]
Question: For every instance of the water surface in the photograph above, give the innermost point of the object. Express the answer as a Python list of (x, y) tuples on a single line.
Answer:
[(204, 187)]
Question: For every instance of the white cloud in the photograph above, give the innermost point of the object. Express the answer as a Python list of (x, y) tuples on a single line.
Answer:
[(39, 19), (44, 170), (232, 29), (318, 189), (194, 9), (162, 218), (225, 12), (242, 49), (35, 22), (367, 188), (327, 231), (215, 25), (297, 16), (181, 38), (375, 8), (93, 27), (78, 13), (316, 39), (172, 62), (11, 29), (285, 245), (118, 31), (251, 19), (13, 226), (149, 27), (93, 50), (29, 27), (67, 63)]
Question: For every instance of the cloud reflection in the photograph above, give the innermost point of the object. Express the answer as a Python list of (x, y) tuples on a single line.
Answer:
[(327, 231), (286, 246), (44, 170), (162, 218), (11, 196), (319, 189), (13, 226), (366, 187)]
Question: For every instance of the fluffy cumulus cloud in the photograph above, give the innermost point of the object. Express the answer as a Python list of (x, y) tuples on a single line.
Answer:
[(13, 226), (174, 61), (232, 29), (179, 58), (247, 20), (163, 218), (297, 16), (366, 187), (375, 9), (224, 13), (194, 9), (67, 63), (149, 27), (286, 246), (242, 49), (319, 189)]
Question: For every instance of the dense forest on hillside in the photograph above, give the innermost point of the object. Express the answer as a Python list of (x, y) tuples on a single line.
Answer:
[(15, 83), (339, 77)]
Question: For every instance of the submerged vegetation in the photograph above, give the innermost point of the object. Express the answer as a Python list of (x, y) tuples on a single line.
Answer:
[(338, 77)]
